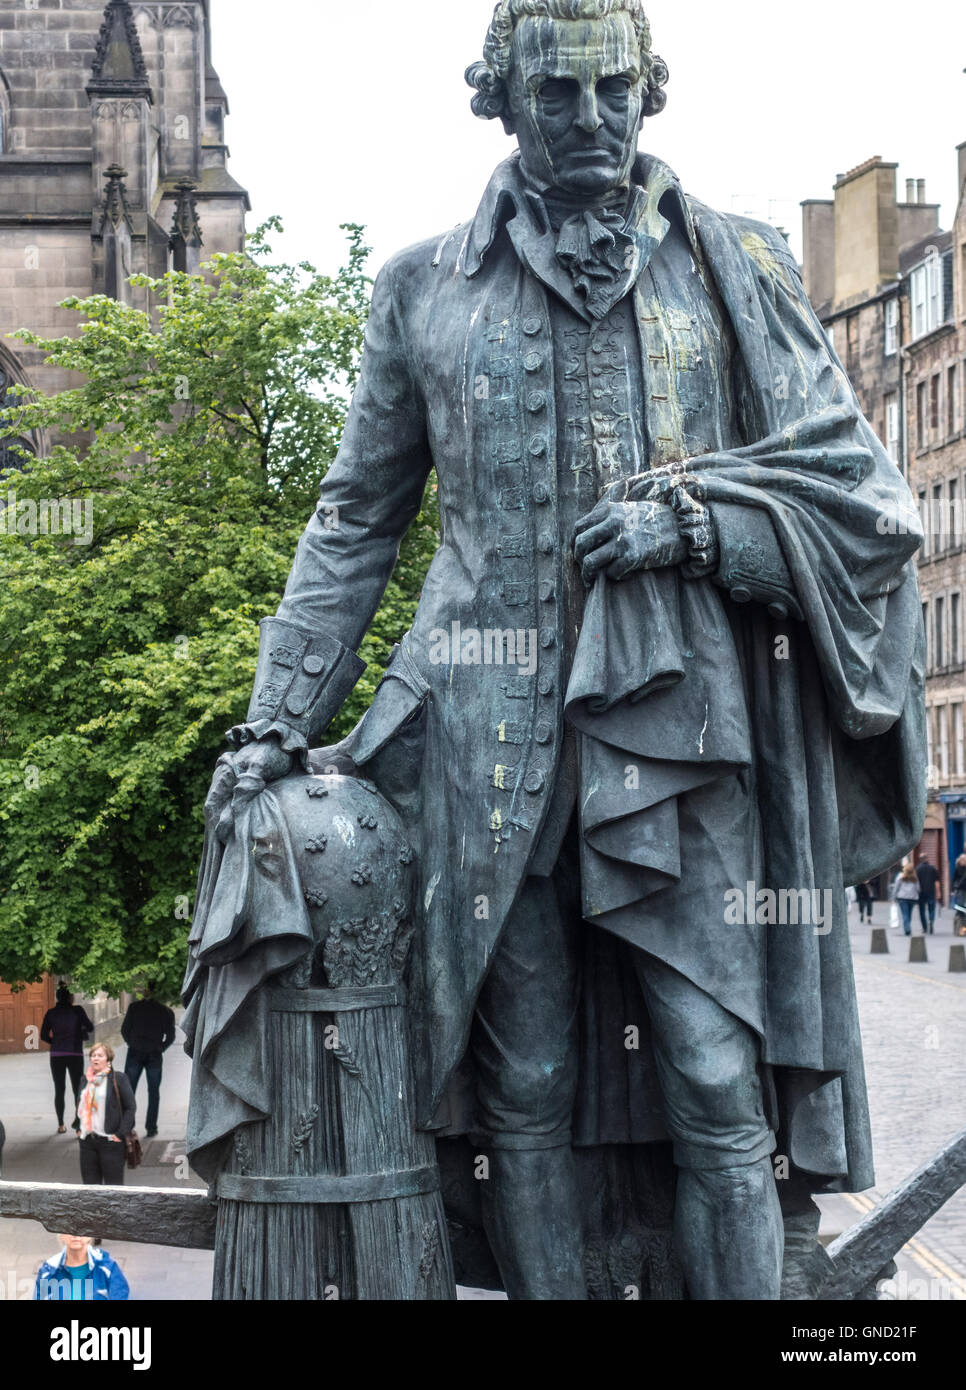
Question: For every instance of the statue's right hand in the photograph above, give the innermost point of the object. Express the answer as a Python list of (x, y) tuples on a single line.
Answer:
[(239, 778)]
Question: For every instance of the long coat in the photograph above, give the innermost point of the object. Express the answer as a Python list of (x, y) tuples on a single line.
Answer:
[(458, 374)]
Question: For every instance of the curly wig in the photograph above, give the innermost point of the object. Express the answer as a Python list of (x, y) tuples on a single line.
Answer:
[(489, 77)]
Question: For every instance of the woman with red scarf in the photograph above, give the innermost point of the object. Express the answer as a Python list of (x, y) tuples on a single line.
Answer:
[(105, 1108)]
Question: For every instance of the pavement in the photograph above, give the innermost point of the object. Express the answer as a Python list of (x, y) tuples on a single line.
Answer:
[(35, 1152), (913, 1019), (914, 1029)]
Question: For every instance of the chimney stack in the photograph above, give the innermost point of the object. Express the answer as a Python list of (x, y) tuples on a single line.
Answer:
[(910, 190), (920, 190), (866, 230)]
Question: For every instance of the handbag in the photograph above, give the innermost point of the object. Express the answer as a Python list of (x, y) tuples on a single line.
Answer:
[(132, 1144)]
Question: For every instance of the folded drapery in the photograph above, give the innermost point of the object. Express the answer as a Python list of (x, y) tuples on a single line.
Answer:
[(248, 926), (657, 694)]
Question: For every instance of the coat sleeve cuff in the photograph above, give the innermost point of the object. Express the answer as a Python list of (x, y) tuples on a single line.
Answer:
[(302, 681), (751, 565)]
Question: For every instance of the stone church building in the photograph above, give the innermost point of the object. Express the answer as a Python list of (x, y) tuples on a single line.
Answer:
[(113, 162)]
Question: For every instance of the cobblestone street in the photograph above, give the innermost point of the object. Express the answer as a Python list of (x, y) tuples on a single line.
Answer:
[(914, 1031), (913, 1024)]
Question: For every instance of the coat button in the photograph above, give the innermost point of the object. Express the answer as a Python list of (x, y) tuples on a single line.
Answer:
[(545, 685), (545, 543), (544, 733), (778, 610), (740, 594), (541, 494), (532, 327), (538, 445), (546, 591), (534, 782), (536, 401), (533, 362), (313, 666), (548, 637)]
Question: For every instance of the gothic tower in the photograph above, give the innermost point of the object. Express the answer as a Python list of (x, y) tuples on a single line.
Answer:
[(113, 158)]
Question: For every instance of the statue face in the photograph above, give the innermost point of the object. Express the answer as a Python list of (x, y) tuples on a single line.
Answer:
[(576, 101)]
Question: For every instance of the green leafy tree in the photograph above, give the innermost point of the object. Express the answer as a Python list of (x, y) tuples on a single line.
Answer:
[(199, 434)]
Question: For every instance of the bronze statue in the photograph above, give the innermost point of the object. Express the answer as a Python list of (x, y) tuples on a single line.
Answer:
[(661, 701)]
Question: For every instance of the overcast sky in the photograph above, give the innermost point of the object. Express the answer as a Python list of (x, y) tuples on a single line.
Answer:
[(356, 110)]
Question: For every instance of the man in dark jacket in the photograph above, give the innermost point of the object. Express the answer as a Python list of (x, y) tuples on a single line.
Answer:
[(148, 1030), (64, 1029), (928, 876)]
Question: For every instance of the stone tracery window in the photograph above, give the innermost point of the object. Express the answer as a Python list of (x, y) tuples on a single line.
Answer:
[(10, 459)]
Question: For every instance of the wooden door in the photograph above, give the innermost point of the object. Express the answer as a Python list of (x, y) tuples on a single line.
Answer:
[(21, 1011)]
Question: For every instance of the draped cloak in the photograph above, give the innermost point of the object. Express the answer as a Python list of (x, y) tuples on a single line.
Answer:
[(822, 710)]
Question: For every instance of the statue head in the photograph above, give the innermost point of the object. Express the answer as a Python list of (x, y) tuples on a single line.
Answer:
[(573, 81)]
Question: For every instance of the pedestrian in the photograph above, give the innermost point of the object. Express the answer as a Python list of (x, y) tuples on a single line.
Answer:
[(863, 894), (106, 1111), (905, 892), (928, 876), (65, 1028), (148, 1030), (958, 895), (79, 1272)]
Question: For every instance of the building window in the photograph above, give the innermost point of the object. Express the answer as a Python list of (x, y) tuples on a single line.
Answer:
[(891, 327), (926, 295), (11, 459), (955, 617), (937, 519), (917, 300), (926, 527), (939, 635), (942, 716), (952, 401), (922, 417), (955, 506), (958, 751), (925, 628), (934, 405), (892, 425), (852, 330)]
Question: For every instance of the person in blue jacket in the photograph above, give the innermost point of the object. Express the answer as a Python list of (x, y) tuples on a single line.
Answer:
[(81, 1273)]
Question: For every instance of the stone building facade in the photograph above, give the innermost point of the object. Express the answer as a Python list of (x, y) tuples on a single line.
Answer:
[(113, 160), (890, 287), (934, 365)]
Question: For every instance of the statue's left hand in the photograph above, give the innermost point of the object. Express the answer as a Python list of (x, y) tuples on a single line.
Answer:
[(617, 538)]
